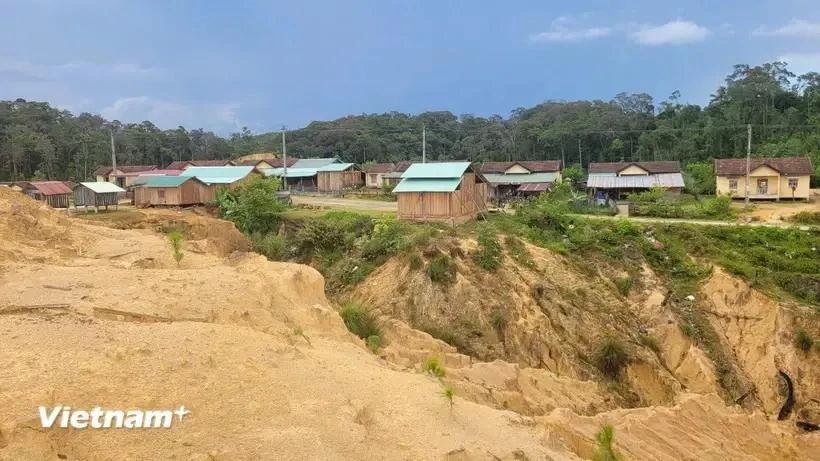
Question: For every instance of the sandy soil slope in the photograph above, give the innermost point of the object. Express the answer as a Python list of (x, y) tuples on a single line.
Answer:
[(97, 316)]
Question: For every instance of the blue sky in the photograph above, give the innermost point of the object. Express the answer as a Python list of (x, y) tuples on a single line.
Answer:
[(222, 65)]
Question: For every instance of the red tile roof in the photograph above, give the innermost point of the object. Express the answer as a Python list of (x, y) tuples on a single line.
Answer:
[(402, 166), (664, 166), (164, 172), (379, 168), (51, 187), (535, 166), (105, 170), (785, 165), (273, 162)]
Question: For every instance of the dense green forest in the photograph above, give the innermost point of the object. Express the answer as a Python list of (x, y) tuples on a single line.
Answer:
[(37, 140)]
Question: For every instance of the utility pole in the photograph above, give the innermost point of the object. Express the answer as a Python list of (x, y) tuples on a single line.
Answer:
[(113, 155), (284, 159), (423, 144), (580, 159), (748, 158)]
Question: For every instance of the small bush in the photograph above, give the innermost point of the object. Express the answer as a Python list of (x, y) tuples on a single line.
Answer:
[(802, 340), (688, 330), (604, 450), (806, 217), (518, 251), (269, 245), (448, 393), (415, 261), (499, 321), (627, 227), (650, 342), (624, 284), (610, 358), (489, 253), (360, 321), (434, 367), (441, 269), (175, 238), (374, 342)]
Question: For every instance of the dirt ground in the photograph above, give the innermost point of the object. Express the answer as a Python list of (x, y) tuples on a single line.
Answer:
[(96, 315), (768, 211), (334, 202)]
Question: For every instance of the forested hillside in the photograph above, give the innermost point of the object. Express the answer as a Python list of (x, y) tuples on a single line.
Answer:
[(37, 140)]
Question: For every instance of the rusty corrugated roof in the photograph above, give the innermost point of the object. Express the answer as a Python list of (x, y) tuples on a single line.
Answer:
[(51, 187), (636, 181)]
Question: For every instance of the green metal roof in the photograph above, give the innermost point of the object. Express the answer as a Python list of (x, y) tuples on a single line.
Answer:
[(436, 170), (427, 185), (499, 178), (217, 174), (314, 162), (165, 181), (335, 167), (292, 172)]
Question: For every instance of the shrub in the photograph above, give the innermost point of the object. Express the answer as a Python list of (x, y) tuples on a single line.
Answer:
[(489, 253), (650, 342), (415, 261), (253, 207), (688, 330), (610, 358), (360, 321), (448, 393), (386, 239), (175, 238), (518, 251), (434, 367), (626, 227), (374, 342), (806, 217), (802, 340), (318, 234), (499, 321), (441, 269), (270, 245), (624, 284), (604, 450)]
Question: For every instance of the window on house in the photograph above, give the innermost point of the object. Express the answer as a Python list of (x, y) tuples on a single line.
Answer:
[(733, 184), (793, 183)]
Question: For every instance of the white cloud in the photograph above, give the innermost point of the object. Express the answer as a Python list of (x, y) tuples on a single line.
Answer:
[(801, 63), (79, 70), (796, 28), (569, 29), (170, 114), (672, 33)]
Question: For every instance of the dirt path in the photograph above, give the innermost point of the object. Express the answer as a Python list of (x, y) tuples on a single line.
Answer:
[(365, 205), (700, 222)]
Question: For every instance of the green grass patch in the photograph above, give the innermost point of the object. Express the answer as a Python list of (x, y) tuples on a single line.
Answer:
[(808, 218), (441, 269), (433, 366), (360, 321), (488, 256)]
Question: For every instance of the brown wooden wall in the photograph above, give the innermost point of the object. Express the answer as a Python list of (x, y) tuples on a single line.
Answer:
[(336, 181), (464, 203), (54, 201), (188, 193)]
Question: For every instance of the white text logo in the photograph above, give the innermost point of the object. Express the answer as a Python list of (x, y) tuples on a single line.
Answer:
[(97, 418)]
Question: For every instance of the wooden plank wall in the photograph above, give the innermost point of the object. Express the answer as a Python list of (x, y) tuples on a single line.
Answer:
[(466, 201), (337, 181)]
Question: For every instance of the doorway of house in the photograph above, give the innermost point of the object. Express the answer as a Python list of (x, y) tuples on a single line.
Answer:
[(762, 186)]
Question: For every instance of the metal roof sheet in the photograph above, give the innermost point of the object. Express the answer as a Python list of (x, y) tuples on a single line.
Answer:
[(102, 187), (427, 185), (436, 170), (165, 181), (218, 174), (335, 167), (51, 187), (292, 172), (499, 178), (635, 182), (314, 162), (534, 187)]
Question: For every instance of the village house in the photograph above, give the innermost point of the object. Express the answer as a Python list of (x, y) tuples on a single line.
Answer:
[(337, 177), (615, 180), (124, 174), (302, 176), (97, 194), (520, 178), (55, 193), (394, 177), (263, 164), (452, 192), (219, 177), (374, 174), (171, 191), (769, 178)]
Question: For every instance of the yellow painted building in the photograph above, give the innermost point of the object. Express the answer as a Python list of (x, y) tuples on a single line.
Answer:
[(769, 178)]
